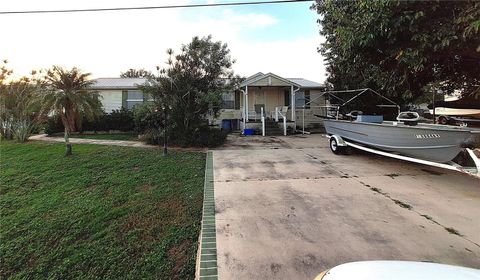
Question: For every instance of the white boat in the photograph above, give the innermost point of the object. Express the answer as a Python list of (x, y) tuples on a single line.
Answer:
[(445, 111), (438, 143), (398, 270), (462, 111), (412, 141)]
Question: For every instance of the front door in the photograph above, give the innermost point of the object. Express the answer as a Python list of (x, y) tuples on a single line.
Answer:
[(256, 95)]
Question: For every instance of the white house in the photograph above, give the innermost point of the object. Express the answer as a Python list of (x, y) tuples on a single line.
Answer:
[(282, 102), (118, 93), (290, 102)]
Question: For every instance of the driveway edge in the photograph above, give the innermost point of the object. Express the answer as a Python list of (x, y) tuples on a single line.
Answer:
[(207, 253)]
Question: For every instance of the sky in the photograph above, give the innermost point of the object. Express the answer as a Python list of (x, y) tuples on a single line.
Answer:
[(282, 38)]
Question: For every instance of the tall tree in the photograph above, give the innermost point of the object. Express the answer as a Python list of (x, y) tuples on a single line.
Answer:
[(136, 73), (401, 48), (189, 89), (67, 94)]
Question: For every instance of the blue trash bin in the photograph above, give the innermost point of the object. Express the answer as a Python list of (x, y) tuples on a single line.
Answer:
[(227, 125), (249, 131)]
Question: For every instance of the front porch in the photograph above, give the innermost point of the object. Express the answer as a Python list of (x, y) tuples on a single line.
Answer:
[(266, 104), (271, 127)]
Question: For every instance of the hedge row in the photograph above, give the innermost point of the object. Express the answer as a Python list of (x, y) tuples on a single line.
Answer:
[(119, 120)]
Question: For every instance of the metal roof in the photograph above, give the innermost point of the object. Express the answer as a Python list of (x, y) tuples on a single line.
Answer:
[(306, 83), (118, 83), (253, 77), (259, 76), (303, 83), (133, 83)]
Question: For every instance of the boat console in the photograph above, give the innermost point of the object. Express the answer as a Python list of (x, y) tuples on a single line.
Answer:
[(370, 118), (408, 118)]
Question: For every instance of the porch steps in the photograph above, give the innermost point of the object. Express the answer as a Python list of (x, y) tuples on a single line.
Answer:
[(273, 128)]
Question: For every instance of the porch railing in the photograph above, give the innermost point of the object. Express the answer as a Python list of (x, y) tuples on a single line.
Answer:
[(279, 113), (263, 121)]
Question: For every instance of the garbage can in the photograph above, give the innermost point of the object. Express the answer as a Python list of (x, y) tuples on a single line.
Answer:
[(249, 131), (227, 125)]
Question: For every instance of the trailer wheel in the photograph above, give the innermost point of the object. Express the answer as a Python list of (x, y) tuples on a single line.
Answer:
[(442, 120), (336, 149)]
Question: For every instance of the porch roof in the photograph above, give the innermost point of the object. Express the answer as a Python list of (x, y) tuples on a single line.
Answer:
[(307, 84), (268, 79)]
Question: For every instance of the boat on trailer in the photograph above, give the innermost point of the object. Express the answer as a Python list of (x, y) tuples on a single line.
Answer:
[(405, 138), (465, 111)]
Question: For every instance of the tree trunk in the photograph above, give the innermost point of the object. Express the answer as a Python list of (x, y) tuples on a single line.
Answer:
[(68, 150)]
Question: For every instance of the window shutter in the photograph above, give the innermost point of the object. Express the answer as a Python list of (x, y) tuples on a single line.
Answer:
[(124, 99)]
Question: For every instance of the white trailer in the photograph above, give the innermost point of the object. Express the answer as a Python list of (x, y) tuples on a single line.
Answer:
[(338, 145)]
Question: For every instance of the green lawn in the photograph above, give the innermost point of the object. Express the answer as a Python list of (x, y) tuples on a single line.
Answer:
[(128, 137), (106, 212)]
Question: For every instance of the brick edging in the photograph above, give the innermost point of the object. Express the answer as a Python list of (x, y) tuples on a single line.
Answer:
[(207, 253)]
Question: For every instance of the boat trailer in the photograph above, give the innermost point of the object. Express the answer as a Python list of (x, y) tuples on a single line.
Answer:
[(340, 143)]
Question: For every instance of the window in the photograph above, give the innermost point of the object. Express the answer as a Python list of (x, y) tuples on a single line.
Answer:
[(134, 97), (132, 104), (228, 100), (302, 98)]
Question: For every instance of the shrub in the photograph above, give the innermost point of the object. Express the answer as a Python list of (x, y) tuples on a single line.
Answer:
[(150, 124), (121, 120), (209, 137), (22, 129), (206, 137), (152, 138), (53, 125), (146, 119)]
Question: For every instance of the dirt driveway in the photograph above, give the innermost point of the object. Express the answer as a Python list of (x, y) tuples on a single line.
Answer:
[(287, 208)]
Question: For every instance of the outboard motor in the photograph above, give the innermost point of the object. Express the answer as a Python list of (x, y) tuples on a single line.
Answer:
[(408, 118)]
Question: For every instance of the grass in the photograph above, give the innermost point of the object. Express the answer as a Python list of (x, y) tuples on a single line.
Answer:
[(124, 137), (106, 212)]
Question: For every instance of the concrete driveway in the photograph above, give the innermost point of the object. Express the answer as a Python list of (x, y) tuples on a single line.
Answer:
[(287, 208)]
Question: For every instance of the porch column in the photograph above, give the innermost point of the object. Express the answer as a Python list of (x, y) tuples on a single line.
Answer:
[(246, 103), (293, 103)]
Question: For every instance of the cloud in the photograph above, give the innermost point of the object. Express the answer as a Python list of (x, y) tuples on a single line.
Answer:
[(108, 43), (248, 20), (292, 59)]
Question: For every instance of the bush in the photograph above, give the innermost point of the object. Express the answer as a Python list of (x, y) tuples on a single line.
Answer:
[(206, 137), (150, 124), (209, 137), (152, 138), (53, 125), (22, 129), (146, 119), (121, 120)]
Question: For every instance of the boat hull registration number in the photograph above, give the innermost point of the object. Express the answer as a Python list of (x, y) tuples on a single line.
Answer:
[(427, 136)]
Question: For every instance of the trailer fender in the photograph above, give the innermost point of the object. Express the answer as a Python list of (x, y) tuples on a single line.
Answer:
[(340, 141)]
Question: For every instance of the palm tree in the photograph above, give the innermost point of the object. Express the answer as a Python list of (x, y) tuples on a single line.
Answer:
[(67, 95)]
